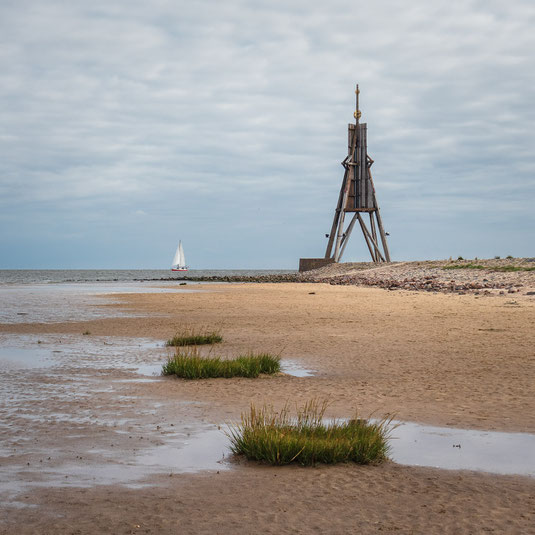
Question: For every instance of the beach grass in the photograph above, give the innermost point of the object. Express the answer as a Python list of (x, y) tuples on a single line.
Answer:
[(190, 365), (513, 268), (191, 336), (279, 438), (465, 266), (490, 268)]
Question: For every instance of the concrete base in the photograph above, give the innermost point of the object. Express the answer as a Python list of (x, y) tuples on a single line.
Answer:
[(307, 264)]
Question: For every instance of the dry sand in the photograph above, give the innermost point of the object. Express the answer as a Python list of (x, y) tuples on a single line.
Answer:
[(455, 360)]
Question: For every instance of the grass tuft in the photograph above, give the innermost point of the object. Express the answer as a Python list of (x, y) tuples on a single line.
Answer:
[(189, 336), (465, 266), (490, 268), (190, 365), (513, 268), (278, 438)]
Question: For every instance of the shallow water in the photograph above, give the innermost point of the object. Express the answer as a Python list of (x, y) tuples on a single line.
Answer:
[(463, 449), (177, 455), (204, 451), (152, 370), (46, 303), (16, 358), (291, 367)]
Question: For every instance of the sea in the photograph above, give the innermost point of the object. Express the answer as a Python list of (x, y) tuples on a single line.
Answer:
[(51, 276), (57, 295)]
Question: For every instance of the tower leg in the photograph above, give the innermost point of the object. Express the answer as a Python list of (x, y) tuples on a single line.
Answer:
[(336, 219), (364, 230), (340, 233), (383, 236), (339, 237), (374, 234), (348, 232), (369, 237), (379, 221)]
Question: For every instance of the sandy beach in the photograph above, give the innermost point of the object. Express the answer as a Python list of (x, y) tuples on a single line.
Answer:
[(462, 361)]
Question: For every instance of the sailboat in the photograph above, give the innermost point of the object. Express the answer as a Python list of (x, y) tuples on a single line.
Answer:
[(179, 261)]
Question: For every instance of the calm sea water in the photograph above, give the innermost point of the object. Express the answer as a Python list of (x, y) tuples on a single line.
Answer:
[(57, 295), (44, 276)]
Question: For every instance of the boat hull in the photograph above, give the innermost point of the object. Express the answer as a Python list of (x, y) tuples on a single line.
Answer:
[(182, 269)]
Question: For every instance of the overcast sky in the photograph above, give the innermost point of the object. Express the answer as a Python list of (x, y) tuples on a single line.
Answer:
[(128, 125)]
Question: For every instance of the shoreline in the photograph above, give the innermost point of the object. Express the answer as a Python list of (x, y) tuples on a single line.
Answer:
[(488, 277)]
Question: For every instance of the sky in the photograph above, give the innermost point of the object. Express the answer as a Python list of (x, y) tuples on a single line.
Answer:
[(127, 125)]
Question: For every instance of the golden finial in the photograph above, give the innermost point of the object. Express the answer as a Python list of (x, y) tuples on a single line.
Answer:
[(357, 115)]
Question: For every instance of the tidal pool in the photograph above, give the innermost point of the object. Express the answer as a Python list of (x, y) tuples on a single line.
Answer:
[(292, 367), (17, 358), (463, 449)]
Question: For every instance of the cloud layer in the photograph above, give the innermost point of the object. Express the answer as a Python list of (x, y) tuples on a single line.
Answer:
[(128, 126)]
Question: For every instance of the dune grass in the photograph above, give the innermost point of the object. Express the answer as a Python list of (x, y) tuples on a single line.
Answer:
[(278, 438), (191, 336), (465, 266), (513, 268), (490, 268), (190, 365)]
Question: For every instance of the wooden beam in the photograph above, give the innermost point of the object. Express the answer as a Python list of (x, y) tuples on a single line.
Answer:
[(347, 185), (360, 209), (367, 233), (383, 235), (345, 239), (380, 221), (342, 199), (364, 230), (340, 232), (374, 233), (328, 251)]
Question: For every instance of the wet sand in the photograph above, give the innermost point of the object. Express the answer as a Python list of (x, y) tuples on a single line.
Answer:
[(453, 360)]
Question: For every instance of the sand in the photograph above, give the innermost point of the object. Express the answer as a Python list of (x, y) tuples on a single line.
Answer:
[(444, 359)]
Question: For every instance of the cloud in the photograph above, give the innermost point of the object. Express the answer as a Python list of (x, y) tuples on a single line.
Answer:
[(199, 113)]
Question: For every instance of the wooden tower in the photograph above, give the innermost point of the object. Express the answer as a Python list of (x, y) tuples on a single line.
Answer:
[(357, 196)]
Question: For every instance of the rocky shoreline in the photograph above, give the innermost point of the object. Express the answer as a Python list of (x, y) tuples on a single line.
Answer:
[(479, 277)]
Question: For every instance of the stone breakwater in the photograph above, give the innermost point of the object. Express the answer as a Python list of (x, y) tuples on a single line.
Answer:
[(288, 277)]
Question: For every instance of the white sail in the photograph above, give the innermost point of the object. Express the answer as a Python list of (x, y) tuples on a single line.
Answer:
[(182, 258), (179, 260)]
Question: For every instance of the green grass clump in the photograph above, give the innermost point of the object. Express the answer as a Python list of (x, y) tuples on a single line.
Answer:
[(190, 365), (192, 337), (465, 266), (277, 438), (490, 268), (513, 268)]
